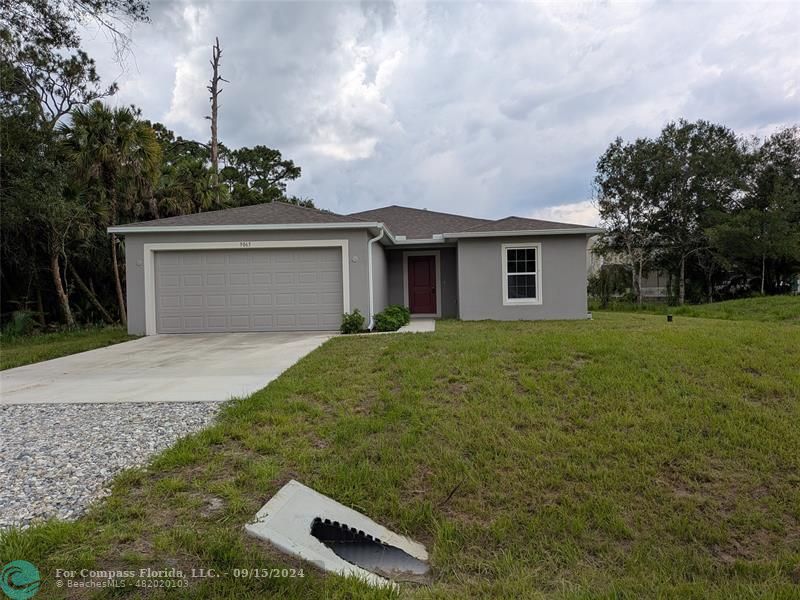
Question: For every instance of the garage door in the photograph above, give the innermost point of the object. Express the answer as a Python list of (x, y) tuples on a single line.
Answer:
[(261, 289)]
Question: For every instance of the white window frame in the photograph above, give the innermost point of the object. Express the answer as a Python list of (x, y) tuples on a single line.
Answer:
[(504, 248), (150, 271)]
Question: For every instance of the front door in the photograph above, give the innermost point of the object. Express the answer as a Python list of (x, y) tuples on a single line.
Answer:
[(422, 284)]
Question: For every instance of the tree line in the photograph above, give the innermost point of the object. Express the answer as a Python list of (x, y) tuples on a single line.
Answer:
[(72, 166), (719, 213)]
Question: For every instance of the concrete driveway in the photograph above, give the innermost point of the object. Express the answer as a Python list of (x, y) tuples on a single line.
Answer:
[(161, 368)]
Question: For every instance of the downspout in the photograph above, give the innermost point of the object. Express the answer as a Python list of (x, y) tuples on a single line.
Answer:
[(369, 268)]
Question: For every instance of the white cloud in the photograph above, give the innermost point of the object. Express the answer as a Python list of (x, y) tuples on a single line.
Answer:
[(486, 109), (583, 213)]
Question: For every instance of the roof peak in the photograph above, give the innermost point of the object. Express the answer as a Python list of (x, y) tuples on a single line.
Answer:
[(422, 210)]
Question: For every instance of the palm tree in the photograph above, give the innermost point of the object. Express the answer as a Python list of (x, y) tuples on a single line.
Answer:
[(117, 158)]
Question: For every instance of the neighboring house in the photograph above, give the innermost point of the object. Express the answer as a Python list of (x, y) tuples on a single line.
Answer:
[(655, 284), (280, 267)]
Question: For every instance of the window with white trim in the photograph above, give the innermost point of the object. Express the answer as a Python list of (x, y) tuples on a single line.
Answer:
[(521, 281)]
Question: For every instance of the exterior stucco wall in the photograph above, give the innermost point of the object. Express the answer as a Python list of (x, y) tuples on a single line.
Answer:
[(562, 265), (380, 278), (134, 261), (448, 270)]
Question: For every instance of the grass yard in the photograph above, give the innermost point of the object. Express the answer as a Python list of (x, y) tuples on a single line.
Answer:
[(620, 457), (763, 308), (24, 350)]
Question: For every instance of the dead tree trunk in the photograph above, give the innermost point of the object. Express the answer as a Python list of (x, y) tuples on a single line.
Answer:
[(763, 271), (682, 282), (91, 295), (215, 91)]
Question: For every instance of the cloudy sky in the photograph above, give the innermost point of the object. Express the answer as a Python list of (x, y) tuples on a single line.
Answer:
[(487, 109)]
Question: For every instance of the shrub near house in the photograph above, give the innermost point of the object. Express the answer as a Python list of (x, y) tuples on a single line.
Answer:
[(392, 318)]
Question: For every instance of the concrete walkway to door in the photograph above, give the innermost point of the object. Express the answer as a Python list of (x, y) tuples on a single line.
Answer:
[(210, 367)]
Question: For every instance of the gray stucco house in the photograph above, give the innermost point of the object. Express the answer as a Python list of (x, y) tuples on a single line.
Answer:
[(279, 267)]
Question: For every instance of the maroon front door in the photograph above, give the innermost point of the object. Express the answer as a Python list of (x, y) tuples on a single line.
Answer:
[(422, 284)]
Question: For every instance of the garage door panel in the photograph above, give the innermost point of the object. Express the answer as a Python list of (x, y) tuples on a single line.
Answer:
[(284, 299), (240, 321), (167, 301), (330, 277), (192, 301), (262, 321), (193, 323), (276, 289), (307, 277), (192, 280), (216, 301), (310, 321), (240, 300), (286, 320)]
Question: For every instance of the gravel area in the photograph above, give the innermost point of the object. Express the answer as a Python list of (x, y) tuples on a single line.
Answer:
[(55, 459)]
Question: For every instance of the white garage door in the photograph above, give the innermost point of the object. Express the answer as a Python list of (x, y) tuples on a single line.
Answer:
[(275, 289)]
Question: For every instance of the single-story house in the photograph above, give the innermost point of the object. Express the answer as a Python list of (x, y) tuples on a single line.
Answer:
[(280, 267)]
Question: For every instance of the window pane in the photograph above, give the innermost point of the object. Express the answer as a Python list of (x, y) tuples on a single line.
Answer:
[(521, 286), (513, 260), (529, 260), (521, 260)]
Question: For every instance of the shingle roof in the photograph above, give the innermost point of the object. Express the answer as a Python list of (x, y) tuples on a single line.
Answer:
[(520, 224), (277, 213), (414, 223), (417, 223)]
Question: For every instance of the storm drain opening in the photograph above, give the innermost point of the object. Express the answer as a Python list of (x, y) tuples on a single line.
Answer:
[(368, 552), (313, 527)]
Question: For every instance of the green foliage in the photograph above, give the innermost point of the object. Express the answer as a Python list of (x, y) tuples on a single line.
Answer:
[(66, 181), (392, 318), (35, 347), (256, 175), (705, 205), (610, 280), (352, 322), (22, 323)]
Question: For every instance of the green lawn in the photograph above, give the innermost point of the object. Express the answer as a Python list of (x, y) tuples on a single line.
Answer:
[(619, 457), (24, 350), (764, 308)]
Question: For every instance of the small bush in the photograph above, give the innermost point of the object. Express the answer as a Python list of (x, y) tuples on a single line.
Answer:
[(352, 322), (22, 323), (392, 318)]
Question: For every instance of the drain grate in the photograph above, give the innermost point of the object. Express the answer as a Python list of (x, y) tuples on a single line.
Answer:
[(367, 552), (316, 528)]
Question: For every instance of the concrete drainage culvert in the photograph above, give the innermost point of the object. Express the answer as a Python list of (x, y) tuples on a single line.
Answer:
[(335, 538)]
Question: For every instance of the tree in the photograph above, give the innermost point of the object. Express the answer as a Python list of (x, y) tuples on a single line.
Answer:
[(256, 175), (623, 186), (697, 171), (764, 224), (117, 159), (39, 219), (215, 91), (40, 45)]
